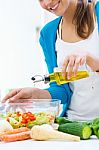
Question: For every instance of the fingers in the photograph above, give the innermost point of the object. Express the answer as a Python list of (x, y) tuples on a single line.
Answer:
[(65, 64), (83, 61), (71, 65), (16, 97), (76, 66), (11, 95)]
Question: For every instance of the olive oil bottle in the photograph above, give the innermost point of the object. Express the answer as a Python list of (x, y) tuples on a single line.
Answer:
[(62, 80), (57, 77)]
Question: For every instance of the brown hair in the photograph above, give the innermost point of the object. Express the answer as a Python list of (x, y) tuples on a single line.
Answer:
[(84, 19)]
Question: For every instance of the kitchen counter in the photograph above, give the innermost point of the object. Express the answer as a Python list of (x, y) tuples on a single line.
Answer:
[(92, 144)]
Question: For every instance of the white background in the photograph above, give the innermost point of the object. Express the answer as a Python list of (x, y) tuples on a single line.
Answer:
[(21, 56)]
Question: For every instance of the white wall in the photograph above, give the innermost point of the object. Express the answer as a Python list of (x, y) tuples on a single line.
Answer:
[(20, 55), (48, 16)]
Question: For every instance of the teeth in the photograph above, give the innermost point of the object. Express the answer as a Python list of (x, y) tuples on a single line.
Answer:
[(54, 7)]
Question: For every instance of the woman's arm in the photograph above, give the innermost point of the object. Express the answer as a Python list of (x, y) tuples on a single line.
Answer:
[(22, 94), (93, 62), (61, 92)]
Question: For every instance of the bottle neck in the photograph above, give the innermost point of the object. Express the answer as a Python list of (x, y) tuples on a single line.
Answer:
[(49, 78), (52, 77)]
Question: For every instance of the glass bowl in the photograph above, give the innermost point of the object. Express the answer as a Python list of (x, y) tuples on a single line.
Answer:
[(30, 112)]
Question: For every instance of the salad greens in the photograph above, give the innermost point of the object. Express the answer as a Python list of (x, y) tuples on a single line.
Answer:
[(27, 119)]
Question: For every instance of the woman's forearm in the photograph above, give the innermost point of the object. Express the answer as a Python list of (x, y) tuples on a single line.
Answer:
[(41, 94), (93, 62)]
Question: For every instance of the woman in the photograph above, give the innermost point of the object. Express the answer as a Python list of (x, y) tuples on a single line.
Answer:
[(70, 42)]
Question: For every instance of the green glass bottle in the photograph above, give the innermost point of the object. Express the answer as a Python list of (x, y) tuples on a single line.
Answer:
[(57, 77), (62, 80)]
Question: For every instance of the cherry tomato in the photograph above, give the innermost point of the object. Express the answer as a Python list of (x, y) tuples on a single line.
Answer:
[(27, 117)]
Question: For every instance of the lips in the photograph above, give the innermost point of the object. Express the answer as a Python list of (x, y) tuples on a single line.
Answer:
[(55, 6)]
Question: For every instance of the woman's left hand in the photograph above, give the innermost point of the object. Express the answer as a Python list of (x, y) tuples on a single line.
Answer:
[(72, 63)]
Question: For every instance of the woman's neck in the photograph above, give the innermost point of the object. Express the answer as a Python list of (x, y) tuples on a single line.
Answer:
[(67, 26), (69, 14)]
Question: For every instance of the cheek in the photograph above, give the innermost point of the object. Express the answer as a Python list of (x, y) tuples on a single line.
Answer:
[(68, 3), (43, 5)]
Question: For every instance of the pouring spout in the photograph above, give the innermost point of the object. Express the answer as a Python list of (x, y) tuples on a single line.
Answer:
[(37, 78)]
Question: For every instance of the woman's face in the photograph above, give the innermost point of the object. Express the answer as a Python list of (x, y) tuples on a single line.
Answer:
[(57, 7)]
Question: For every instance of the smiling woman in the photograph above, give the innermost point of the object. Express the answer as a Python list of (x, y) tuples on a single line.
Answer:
[(70, 42)]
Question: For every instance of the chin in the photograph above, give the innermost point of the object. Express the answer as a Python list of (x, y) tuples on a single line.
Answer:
[(59, 13)]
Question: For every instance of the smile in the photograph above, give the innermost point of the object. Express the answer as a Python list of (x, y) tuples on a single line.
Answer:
[(55, 6)]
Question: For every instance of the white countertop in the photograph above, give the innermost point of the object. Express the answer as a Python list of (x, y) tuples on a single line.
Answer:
[(92, 144)]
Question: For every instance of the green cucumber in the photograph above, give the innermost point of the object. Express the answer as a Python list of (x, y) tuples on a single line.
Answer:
[(79, 129), (62, 120)]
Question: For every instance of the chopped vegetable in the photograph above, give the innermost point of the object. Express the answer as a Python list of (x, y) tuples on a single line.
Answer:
[(5, 126), (28, 119), (14, 123), (2, 116)]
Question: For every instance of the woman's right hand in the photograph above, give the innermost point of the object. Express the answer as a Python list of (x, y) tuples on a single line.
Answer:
[(17, 95)]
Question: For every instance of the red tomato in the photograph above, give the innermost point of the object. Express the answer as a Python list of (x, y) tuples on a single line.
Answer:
[(32, 118), (18, 114), (8, 119), (24, 121), (27, 117)]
